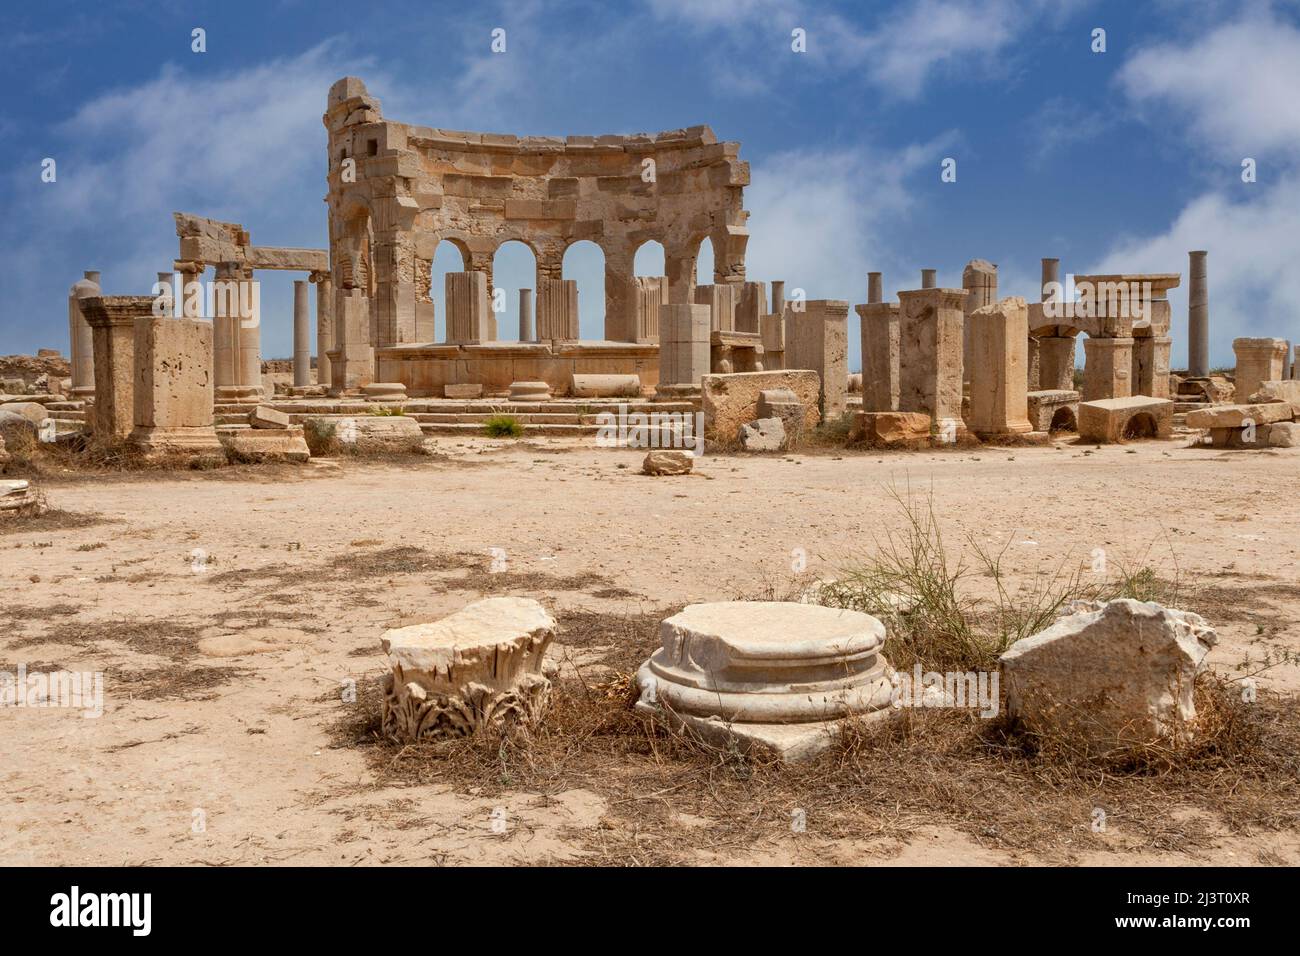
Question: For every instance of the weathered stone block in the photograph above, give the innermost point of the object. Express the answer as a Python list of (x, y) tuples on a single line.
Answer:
[(1121, 419), (730, 401)]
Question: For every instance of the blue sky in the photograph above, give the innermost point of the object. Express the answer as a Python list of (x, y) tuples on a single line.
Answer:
[(1114, 161)]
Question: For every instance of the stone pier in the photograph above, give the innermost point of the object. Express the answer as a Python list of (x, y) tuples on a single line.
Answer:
[(352, 363), (1108, 367), (173, 389), (1259, 360), (999, 349), (112, 322), (1198, 315), (930, 339), (651, 293), (817, 339), (980, 280), (684, 348)]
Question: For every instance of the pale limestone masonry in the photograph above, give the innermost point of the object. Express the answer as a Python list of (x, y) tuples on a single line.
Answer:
[(722, 300), (352, 363), (980, 280), (998, 344), (651, 294), (930, 350), (731, 401), (557, 310), (1259, 360), (879, 325), (1198, 315), (301, 334), (469, 313), (768, 676), (683, 345), (173, 391), (415, 186), (526, 315), (817, 339), (471, 672), (1125, 419), (112, 322)]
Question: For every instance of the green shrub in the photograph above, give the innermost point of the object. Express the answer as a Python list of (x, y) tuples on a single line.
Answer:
[(503, 426)]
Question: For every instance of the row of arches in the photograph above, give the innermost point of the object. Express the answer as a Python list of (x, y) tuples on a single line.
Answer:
[(514, 267)]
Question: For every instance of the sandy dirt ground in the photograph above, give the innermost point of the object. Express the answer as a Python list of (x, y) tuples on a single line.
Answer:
[(237, 766)]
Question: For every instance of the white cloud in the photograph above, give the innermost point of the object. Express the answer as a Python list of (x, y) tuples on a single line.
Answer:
[(1236, 85), (899, 53), (1231, 93)]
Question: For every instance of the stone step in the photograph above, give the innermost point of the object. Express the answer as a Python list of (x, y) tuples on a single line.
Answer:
[(475, 429), (66, 415), (524, 418)]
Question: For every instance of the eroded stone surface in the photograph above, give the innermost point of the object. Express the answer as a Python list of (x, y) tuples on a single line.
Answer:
[(668, 462), (1118, 676), (474, 670)]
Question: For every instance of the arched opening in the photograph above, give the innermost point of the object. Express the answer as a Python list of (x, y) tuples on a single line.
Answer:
[(447, 257), (704, 262), (584, 262), (1063, 420), (514, 267), (1141, 425), (649, 259)]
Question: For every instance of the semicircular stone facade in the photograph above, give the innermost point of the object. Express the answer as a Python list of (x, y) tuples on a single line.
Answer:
[(396, 191)]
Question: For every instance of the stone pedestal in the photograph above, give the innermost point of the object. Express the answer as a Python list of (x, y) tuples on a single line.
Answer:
[(557, 310), (471, 672), (173, 389), (352, 365), (1259, 360), (112, 322), (879, 324), (721, 298), (818, 339), (998, 342), (930, 350), (770, 676), (684, 344), (751, 308), (1108, 368)]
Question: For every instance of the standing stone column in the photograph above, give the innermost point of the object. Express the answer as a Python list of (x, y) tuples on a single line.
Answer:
[(250, 337), (1198, 315), (468, 309), (173, 397), (81, 345), (683, 347), (526, 315), (999, 349), (112, 322), (324, 327), (1051, 273), (778, 296), (875, 286), (930, 336), (191, 288), (929, 278), (557, 310), (301, 335), (237, 346), (1055, 361), (818, 339)]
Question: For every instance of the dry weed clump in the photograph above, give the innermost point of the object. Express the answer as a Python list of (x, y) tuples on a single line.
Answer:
[(671, 798)]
